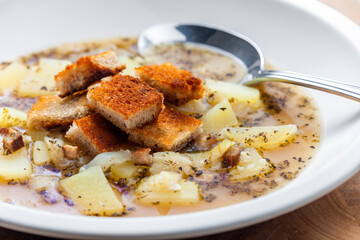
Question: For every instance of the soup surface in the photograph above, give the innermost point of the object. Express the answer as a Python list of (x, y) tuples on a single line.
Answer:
[(221, 183)]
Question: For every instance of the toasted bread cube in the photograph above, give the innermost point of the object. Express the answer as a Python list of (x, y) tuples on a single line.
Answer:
[(178, 86), (126, 101), (170, 131), (53, 112), (94, 134), (86, 70)]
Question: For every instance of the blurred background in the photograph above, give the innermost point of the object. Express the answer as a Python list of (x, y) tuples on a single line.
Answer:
[(350, 8)]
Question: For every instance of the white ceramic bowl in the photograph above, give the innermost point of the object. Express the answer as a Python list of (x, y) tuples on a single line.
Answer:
[(304, 36)]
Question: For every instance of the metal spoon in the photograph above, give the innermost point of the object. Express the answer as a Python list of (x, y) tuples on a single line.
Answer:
[(244, 49)]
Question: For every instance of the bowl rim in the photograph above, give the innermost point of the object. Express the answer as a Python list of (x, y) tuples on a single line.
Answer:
[(194, 224)]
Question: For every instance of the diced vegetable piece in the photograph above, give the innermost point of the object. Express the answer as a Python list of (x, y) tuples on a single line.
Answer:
[(11, 76), (92, 193), (194, 106), (15, 166), (167, 188), (41, 153), (251, 164), (42, 182), (10, 117), (265, 137), (37, 135), (39, 80), (217, 90), (124, 170), (131, 64), (220, 116), (171, 161), (208, 158), (54, 145), (105, 160)]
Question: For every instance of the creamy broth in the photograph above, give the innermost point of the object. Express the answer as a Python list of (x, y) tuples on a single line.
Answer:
[(283, 104)]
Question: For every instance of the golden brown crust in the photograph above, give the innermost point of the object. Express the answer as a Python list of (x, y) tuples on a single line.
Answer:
[(178, 86), (126, 101), (52, 112), (85, 71), (170, 131), (94, 134)]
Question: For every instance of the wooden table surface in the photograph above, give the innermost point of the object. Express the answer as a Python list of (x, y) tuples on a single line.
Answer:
[(335, 216)]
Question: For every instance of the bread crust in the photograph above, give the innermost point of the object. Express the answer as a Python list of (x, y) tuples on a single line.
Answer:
[(178, 86), (52, 112), (170, 131), (126, 101), (93, 134), (85, 71)]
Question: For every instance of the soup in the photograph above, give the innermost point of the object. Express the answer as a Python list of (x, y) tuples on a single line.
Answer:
[(248, 145)]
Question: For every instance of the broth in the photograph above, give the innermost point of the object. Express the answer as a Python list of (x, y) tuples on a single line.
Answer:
[(283, 104)]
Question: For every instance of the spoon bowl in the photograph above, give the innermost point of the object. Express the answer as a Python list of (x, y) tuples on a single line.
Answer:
[(244, 50)]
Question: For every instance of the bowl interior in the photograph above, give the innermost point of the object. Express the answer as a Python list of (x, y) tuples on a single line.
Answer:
[(289, 34)]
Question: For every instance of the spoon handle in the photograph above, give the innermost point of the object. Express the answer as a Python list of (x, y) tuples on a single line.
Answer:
[(326, 85)]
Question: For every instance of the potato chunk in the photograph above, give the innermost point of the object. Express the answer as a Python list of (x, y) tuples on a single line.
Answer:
[(11, 76), (41, 153), (39, 80), (167, 188), (15, 166), (131, 64), (251, 164), (171, 161), (92, 193), (54, 145), (208, 158), (106, 159), (217, 90), (266, 137), (220, 116), (125, 170), (10, 117)]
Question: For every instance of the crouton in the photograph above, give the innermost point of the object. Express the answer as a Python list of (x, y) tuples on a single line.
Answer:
[(178, 86), (52, 112), (170, 131), (126, 101), (94, 135), (86, 70)]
